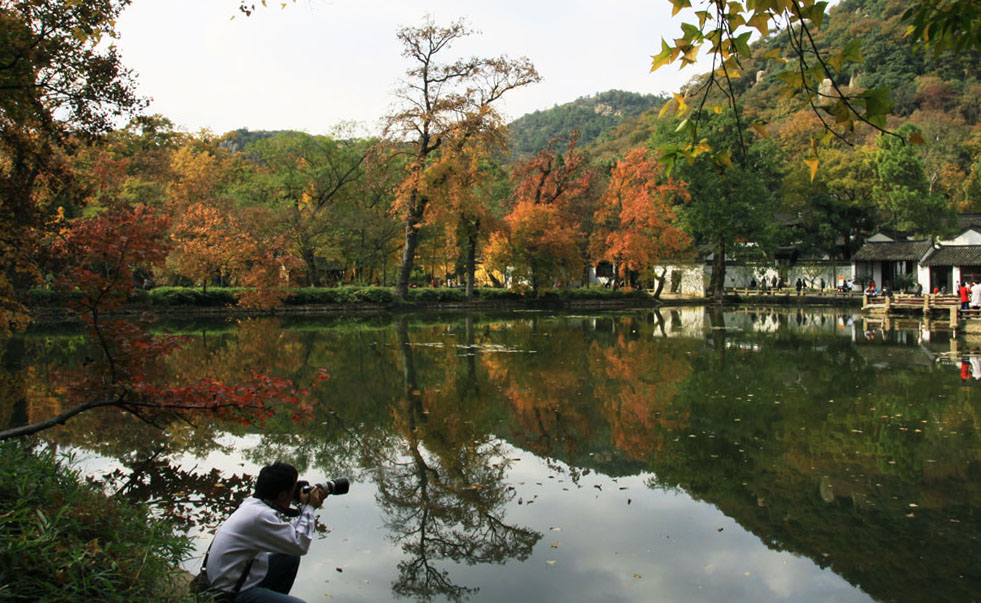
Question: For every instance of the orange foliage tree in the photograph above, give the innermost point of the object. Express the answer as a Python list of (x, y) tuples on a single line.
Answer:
[(461, 184), (122, 366), (266, 262), (440, 102), (539, 241), (636, 223), (207, 242)]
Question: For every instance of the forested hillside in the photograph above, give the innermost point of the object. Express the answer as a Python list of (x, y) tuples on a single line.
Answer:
[(591, 115)]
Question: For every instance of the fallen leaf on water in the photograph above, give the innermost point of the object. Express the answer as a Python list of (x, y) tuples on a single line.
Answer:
[(911, 515), (720, 529), (597, 486), (551, 562), (913, 505), (555, 545), (556, 529), (339, 570), (638, 576), (629, 501)]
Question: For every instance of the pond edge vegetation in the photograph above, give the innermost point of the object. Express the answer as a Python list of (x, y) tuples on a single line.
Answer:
[(50, 303), (67, 540)]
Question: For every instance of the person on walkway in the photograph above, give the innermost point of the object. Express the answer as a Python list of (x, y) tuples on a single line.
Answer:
[(799, 285), (965, 292), (256, 552), (976, 295)]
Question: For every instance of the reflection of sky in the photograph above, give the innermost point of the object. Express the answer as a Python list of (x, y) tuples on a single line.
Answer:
[(595, 545)]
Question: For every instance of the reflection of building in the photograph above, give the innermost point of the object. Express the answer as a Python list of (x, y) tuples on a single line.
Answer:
[(902, 262)]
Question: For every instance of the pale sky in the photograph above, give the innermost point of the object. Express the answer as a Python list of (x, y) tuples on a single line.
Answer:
[(318, 63)]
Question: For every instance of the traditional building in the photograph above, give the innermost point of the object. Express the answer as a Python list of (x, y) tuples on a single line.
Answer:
[(901, 263)]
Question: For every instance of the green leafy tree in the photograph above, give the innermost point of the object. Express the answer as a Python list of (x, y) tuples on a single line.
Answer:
[(902, 190), (306, 177), (730, 209)]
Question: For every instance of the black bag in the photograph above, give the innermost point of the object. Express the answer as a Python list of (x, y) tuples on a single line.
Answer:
[(201, 585)]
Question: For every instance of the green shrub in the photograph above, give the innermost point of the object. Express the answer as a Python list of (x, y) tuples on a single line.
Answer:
[(495, 293), (191, 296), (61, 539), (596, 292), (437, 294)]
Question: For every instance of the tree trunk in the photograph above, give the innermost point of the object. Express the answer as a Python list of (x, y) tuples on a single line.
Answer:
[(408, 254), (660, 283), (471, 263), (717, 281), (311, 263)]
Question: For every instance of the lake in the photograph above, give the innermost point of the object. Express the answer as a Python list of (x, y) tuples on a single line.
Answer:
[(751, 454)]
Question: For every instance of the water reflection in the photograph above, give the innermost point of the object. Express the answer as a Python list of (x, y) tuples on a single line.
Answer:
[(807, 440)]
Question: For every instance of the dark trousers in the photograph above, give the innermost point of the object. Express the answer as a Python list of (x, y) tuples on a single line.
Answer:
[(277, 584)]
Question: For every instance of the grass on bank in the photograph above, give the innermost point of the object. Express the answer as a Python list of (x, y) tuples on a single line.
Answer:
[(62, 539)]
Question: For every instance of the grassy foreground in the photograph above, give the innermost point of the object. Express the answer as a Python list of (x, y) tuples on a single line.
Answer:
[(62, 539)]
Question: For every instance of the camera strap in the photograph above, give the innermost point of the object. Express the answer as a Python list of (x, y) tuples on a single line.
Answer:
[(241, 579)]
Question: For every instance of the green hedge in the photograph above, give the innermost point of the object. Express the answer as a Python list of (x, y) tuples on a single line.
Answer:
[(226, 296), (341, 295), (62, 539), (192, 296)]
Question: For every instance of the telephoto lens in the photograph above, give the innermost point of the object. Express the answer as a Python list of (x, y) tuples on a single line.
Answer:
[(336, 486)]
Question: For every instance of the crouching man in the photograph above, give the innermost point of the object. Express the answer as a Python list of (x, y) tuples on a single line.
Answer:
[(256, 552)]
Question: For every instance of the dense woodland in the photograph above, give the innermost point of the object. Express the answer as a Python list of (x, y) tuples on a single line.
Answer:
[(533, 203), (97, 197)]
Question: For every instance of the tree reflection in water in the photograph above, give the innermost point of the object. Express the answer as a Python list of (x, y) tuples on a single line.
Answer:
[(445, 493), (813, 438)]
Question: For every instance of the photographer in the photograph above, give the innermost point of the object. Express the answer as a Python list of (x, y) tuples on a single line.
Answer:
[(256, 552)]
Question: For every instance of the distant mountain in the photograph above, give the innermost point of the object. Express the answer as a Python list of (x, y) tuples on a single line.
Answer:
[(592, 115)]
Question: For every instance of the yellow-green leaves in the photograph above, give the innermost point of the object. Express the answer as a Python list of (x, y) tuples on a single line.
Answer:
[(852, 53)]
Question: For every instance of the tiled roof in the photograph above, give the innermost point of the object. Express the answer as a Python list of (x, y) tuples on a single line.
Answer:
[(896, 250), (965, 221), (955, 255)]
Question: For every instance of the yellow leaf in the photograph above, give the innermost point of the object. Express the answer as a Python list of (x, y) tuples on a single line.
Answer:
[(813, 164), (682, 105), (678, 5), (692, 55), (664, 109), (760, 129), (761, 21), (724, 158)]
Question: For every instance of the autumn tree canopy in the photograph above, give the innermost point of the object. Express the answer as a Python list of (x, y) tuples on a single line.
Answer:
[(442, 103)]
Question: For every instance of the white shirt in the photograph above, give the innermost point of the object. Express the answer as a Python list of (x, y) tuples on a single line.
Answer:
[(252, 532), (976, 295)]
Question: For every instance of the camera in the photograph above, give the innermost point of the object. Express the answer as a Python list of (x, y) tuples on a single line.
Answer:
[(336, 486)]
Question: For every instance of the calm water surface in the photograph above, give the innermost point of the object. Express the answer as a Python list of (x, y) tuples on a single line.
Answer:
[(684, 455)]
